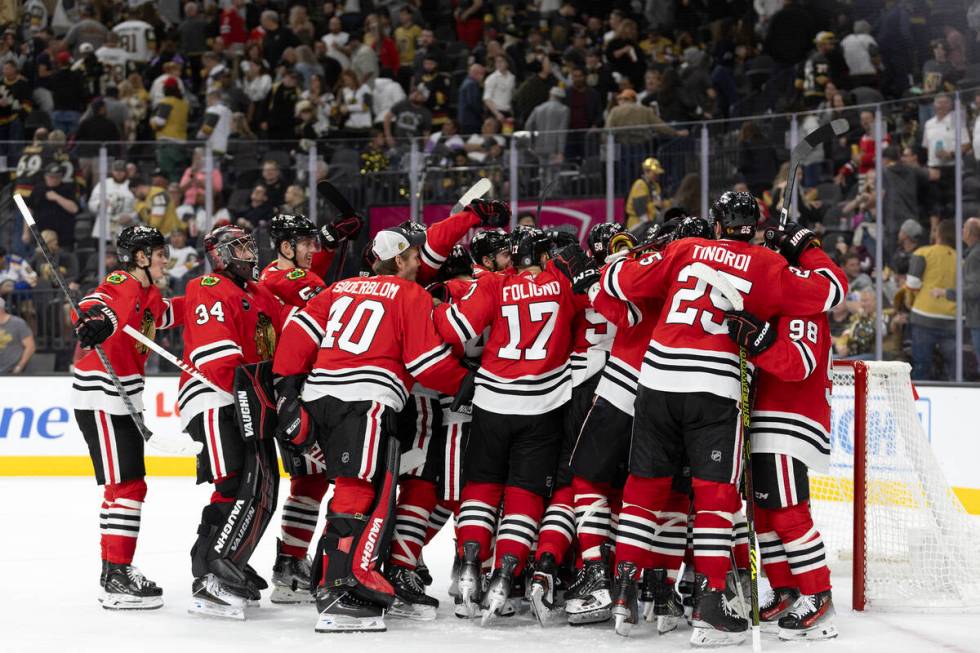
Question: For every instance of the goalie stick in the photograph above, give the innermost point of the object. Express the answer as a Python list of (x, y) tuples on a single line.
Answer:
[(145, 433), (717, 280), (802, 150)]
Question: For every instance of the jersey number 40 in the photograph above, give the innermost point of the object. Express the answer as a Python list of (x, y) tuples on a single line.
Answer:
[(357, 330)]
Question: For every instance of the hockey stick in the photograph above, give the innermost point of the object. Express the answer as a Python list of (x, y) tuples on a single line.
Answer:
[(144, 432), (199, 375), (343, 207), (718, 281), (803, 149), (543, 194), (477, 190)]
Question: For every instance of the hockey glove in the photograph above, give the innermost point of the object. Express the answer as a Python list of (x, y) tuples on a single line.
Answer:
[(750, 332), (577, 266), (439, 291), (343, 229), (95, 325), (295, 428), (492, 213), (464, 396), (791, 241)]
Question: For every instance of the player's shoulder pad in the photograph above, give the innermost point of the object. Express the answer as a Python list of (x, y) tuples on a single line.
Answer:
[(117, 277), (295, 274), (210, 280)]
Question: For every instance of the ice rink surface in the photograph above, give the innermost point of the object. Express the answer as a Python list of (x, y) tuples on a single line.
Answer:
[(49, 566)]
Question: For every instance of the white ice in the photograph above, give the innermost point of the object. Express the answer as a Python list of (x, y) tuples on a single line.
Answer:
[(49, 569)]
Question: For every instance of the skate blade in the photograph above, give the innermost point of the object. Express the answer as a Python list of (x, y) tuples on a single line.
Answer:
[(812, 634), (769, 627), (709, 637), (648, 614), (623, 626), (490, 612), (667, 623), (597, 616), (287, 596), (125, 602), (403, 610), (545, 615), (454, 589), (206, 608), (462, 612), (253, 604), (332, 623)]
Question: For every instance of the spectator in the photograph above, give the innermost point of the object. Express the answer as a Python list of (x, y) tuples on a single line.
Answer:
[(971, 282), (938, 73), (170, 123), (171, 71), (68, 94), (469, 112), (498, 90), (363, 59), (192, 182), (94, 131), (385, 93), (825, 64), (406, 35), (86, 30), (856, 280), (757, 160), (353, 105), (624, 54), (901, 200), (932, 270), (183, 260), (533, 91), (216, 125), (54, 205), (16, 274), (585, 112), (66, 262), (636, 141), (117, 111), (787, 42), (301, 25), (436, 86), (278, 119), (275, 39), (939, 141), (16, 102), (119, 202), (857, 340), (477, 145), (408, 119), (260, 208), (645, 201), (336, 41), (154, 207), (374, 158), (16, 342), (909, 239), (527, 219), (272, 180), (469, 22), (257, 86), (550, 119), (295, 200), (863, 160), (376, 36), (860, 54)]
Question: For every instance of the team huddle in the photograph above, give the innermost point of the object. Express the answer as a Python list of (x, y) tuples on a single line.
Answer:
[(578, 412)]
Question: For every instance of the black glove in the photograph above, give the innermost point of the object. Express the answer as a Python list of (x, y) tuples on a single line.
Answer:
[(577, 266), (95, 325), (492, 213), (295, 429), (464, 396), (791, 241), (439, 291), (750, 332), (343, 229)]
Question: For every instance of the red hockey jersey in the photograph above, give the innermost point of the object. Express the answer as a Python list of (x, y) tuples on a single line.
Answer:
[(440, 239), (591, 341), (791, 414), (689, 349), (368, 340), (292, 286), (524, 368), (225, 326), (142, 308)]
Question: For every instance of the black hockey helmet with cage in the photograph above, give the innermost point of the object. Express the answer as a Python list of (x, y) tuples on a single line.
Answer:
[(138, 238), (527, 244), (290, 228), (457, 264), (488, 242), (231, 250), (599, 238), (738, 214)]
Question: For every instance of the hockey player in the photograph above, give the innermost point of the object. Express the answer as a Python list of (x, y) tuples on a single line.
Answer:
[(592, 339), (523, 382), (790, 435), (230, 321), (490, 250), (442, 236), (348, 360), (126, 297), (294, 277), (687, 400)]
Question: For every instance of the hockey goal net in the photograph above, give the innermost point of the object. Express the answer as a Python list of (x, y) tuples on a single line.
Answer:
[(885, 509)]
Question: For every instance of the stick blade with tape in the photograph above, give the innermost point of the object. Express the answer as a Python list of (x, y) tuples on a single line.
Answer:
[(477, 190), (717, 280), (24, 211), (336, 199)]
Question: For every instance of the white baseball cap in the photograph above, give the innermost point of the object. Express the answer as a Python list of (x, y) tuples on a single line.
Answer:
[(389, 243)]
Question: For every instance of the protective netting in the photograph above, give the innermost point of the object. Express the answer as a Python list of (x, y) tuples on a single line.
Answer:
[(922, 548)]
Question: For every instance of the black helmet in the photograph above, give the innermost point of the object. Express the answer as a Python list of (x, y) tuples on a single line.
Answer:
[(527, 244), (488, 242), (224, 247), (138, 238), (599, 237), (694, 227), (738, 214), (457, 264), (289, 228), (562, 237), (411, 226)]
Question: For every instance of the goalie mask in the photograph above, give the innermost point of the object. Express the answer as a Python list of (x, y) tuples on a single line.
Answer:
[(231, 251)]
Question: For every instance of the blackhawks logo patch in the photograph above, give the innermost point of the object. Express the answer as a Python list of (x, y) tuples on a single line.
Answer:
[(209, 281), (116, 278), (296, 273)]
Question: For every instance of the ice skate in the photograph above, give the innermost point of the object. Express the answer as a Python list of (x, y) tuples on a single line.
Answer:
[(499, 591), (454, 575), (776, 604), (811, 617), (587, 599), (543, 596), (290, 579), (422, 570), (625, 605), (212, 597), (716, 617), (645, 595), (125, 588), (738, 587), (411, 601), (469, 585), (342, 612), (667, 608)]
